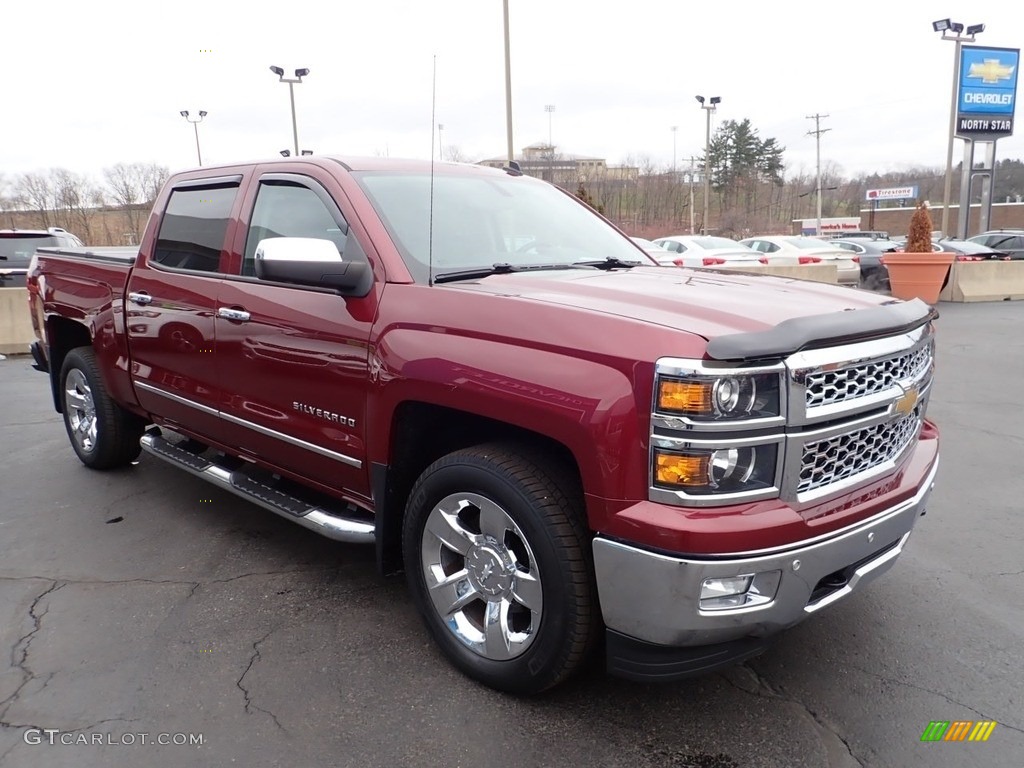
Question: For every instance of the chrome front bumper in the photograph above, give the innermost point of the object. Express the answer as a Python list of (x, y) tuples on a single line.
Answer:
[(655, 598)]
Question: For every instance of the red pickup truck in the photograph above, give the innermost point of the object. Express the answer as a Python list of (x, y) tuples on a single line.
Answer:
[(564, 446)]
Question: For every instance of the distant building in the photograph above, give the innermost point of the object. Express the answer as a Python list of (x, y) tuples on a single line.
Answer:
[(544, 162)]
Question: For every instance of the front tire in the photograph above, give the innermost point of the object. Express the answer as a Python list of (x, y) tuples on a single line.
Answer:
[(498, 561), (103, 434)]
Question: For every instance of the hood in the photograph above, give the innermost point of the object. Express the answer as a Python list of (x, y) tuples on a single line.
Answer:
[(710, 303)]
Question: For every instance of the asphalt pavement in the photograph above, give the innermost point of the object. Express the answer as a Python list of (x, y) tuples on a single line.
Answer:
[(143, 606)]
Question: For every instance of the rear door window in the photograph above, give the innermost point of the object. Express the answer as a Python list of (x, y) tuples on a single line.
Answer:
[(193, 226)]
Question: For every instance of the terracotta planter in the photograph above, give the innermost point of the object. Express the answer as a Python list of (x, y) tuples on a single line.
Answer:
[(917, 275)]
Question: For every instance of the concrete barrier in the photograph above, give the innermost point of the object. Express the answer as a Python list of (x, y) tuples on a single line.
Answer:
[(819, 273), (15, 323), (985, 281)]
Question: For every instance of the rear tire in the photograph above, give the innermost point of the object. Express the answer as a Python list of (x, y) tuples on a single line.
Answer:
[(103, 434), (499, 564)]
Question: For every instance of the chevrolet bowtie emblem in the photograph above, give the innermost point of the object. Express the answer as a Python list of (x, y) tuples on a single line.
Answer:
[(990, 71), (907, 403)]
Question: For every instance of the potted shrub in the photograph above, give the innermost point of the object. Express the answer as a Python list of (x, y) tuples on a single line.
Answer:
[(918, 272)]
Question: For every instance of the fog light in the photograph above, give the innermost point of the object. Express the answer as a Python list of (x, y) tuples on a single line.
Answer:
[(742, 591)]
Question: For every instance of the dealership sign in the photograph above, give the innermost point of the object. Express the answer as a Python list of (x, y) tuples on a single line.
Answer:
[(893, 193), (988, 92)]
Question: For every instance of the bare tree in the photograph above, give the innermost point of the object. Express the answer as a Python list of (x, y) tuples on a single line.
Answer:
[(125, 182), (453, 153), (36, 192), (78, 200), (153, 179)]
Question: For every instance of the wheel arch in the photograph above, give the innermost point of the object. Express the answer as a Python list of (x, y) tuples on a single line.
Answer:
[(423, 432), (62, 336)]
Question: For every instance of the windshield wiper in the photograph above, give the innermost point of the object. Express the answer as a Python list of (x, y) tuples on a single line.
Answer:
[(611, 262), (503, 268)]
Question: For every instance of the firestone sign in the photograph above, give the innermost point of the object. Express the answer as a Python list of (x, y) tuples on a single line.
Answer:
[(893, 193), (988, 92)]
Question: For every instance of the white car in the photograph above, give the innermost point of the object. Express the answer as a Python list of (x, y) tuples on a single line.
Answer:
[(791, 250), (652, 250), (707, 251)]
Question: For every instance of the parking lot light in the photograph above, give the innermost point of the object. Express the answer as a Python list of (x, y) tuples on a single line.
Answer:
[(951, 30), (195, 125), (299, 74), (710, 107)]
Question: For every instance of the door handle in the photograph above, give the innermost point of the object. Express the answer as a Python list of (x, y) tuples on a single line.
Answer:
[(140, 297), (238, 315)]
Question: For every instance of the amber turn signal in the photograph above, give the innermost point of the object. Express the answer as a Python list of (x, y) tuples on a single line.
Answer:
[(684, 396), (675, 469)]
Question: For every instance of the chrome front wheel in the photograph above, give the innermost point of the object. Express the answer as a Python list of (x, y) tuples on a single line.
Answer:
[(497, 555), (482, 576)]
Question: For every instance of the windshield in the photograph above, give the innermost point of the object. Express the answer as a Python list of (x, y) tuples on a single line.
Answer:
[(480, 220), (20, 249)]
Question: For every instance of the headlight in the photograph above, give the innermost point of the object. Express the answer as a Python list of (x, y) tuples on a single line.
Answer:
[(719, 470), (724, 398)]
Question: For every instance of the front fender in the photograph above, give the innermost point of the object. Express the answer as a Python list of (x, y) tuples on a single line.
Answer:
[(589, 406)]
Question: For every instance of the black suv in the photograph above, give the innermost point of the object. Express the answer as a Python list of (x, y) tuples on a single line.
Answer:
[(18, 245), (1009, 241)]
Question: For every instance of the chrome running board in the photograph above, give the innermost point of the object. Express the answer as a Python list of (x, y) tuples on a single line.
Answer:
[(326, 522)]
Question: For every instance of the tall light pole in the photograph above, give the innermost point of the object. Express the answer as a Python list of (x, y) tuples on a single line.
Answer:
[(816, 133), (508, 85), (951, 31), (550, 108), (195, 124), (299, 74), (674, 129), (709, 108)]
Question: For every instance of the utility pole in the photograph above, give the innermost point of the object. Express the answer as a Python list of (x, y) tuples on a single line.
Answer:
[(816, 133), (674, 129), (693, 162)]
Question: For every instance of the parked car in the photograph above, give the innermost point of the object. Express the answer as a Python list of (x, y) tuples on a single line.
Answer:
[(966, 250), (796, 249), (873, 274), (865, 234), (1009, 241), (708, 251), (18, 245), (652, 249)]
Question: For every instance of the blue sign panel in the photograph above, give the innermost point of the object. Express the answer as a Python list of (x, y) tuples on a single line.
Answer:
[(988, 90)]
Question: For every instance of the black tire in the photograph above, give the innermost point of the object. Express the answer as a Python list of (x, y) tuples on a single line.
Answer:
[(544, 553), (103, 434)]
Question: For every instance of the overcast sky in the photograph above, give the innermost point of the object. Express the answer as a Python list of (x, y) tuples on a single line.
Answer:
[(91, 84)]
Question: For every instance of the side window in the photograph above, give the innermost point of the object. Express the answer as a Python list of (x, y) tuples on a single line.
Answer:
[(289, 209), (192, 229)]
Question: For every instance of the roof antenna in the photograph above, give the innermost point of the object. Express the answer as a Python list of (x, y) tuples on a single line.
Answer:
[(430, 224)]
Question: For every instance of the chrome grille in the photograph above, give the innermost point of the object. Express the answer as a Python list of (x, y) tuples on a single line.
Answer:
[(828, 461), (828, 387)]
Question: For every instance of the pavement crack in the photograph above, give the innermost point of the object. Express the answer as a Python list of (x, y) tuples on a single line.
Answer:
[(979, 713), (763, 688), (249, 705), (19, 656)]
